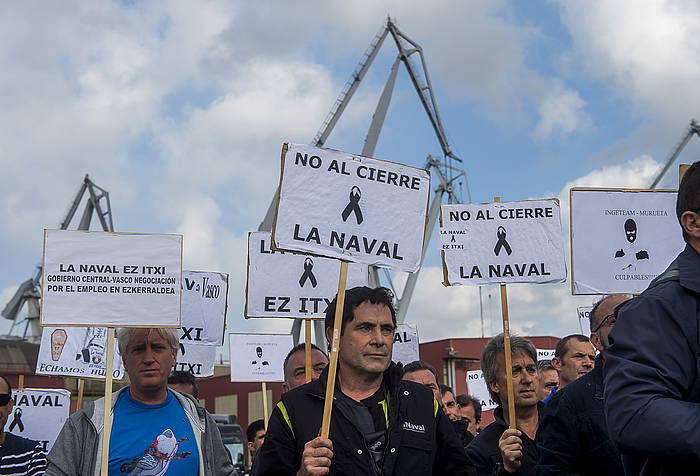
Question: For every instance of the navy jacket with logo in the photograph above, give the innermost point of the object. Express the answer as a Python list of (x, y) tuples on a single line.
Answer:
[(420, 439)]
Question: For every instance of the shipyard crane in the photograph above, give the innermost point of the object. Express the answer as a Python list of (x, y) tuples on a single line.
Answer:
[(693, 129)]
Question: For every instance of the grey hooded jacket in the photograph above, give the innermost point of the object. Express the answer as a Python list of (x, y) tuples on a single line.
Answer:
[(78, 448)]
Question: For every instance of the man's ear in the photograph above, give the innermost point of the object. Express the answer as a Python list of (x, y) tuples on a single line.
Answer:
[(494, 387), (329, 336), (556, 363), (595, 340), (690, 221), (285, 387)]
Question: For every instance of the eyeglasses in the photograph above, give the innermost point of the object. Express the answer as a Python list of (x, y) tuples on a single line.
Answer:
[(613, 319), (4, 399)]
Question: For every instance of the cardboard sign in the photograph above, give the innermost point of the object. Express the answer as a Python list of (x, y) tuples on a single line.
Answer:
[(76, 352), (406, 349), (39, 414), (545, 354), (284, 284), (584, 319), (476, 387), (621, 239), (258, 357), (197, 359), (204, 297), (502, 242), (351, 207), (101, 279)]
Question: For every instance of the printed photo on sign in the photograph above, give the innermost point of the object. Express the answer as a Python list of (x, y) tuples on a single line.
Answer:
[(545, 354), (476, 387), (406, 348), (101, 279), (258, 357), (204, 297), (199, 360), (502, 242), (76, 352), (350, 207), (292, 285), (38, 414), (621, 239), (584, 319)]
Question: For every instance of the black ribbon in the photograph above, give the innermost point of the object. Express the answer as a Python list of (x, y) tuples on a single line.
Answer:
[(502, 243), (353, 205), (308, 273), (17, 420), (182, 348)]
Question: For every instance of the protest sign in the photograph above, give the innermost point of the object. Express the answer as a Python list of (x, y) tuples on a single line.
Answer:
[(502, 242), (476, 387), (545, 354), (204, 298), (258, 357), (621, 239), (584, 319), (406, 349), (196, 359), (350, 207), (292, 285), (76, 352), (39, 414), (102, 279)]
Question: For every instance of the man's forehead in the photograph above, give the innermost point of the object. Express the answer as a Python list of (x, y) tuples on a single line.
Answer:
[(517, 358), (143, 336), (422, 376), (575, 346), (377, 313), (608, 306)]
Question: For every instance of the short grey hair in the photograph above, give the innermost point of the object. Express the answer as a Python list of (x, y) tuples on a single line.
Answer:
[(125, 334), (592, 319), (544, 365), (494, 348)]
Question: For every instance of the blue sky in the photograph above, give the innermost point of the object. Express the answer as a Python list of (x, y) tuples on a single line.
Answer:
[(179, 109)]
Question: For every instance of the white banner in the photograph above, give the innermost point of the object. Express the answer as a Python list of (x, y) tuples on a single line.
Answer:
[(101, 279), (406, 349), (621, 239), (584, 319), (204, 296), (76, 352), (39, 414), (258, 357), (476, 387), (545, 354), (284, 284), (351, 207), (197, 359), (502, 242)]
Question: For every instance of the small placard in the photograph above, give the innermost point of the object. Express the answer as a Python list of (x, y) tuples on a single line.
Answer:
[(39, 414), (584, 319), (406, 348), (197, 359), (258, 357), (204, 297), (476, 386)]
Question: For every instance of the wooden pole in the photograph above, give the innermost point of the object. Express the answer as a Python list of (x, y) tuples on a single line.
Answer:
[(81, 390), (20, 384), (335, 344), (307, 348), (107, 431), (264, 397), (682, 169)]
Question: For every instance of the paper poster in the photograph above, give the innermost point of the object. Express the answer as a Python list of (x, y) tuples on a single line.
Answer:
[(476, 387), (102, 279), (258, 357), (584, 319), (350, 207), (621, 239), (76, 352), (545, 354), (284, 284), (199, 360), (204, 297), (406, 349), (502, 242), (39, 414)]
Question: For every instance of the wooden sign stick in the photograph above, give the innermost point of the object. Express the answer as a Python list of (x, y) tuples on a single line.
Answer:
[(81, 390), (307, 348), (335, 344), (107, 431), (264, 397), (20, 383)]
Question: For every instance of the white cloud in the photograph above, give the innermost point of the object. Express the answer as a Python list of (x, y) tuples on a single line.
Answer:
[(560, 111)]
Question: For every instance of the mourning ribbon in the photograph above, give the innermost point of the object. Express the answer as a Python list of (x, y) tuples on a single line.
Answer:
[(17, 420), (502, 243), (308, 273), (353, 205)]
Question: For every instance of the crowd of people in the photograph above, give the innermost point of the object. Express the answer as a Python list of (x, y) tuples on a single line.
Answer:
[(623, 401)]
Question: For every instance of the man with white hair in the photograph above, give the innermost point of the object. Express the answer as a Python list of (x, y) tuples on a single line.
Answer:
[(154, 429)]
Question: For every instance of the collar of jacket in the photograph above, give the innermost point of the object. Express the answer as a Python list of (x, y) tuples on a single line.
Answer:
[(391, 378), (689, 264)]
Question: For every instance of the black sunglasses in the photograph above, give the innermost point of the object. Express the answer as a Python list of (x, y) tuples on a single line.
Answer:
[(614, 318), (4, 399)]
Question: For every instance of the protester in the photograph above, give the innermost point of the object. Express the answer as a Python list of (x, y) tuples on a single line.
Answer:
[(295, 366), (183, 382), (573, 435), (497, 450), (547, 379), (470, 411), (574, 357), (425, 374), (153, 428), (449, 405), (18, 456), (255, 434), (652, 389), (380, 423)]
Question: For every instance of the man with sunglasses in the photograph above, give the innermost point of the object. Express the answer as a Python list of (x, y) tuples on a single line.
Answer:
[(18, 456), (573, 436)]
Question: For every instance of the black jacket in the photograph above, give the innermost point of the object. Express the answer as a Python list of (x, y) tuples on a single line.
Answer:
[(652, 384), (484, 452), (420, 440), (573, 438)]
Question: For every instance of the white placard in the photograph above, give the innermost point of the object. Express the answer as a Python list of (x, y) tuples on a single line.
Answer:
[(284, 284), (197, 359), (258, 357), (621, 239), (406, 348), (39, 414), (351, 207), (476, 387), (77, 352), (545, 354), (204, 296), (584, 319), (502, 242), (101, 279)]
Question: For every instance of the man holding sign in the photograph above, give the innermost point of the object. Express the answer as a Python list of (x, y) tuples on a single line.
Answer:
[(380, 424)]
